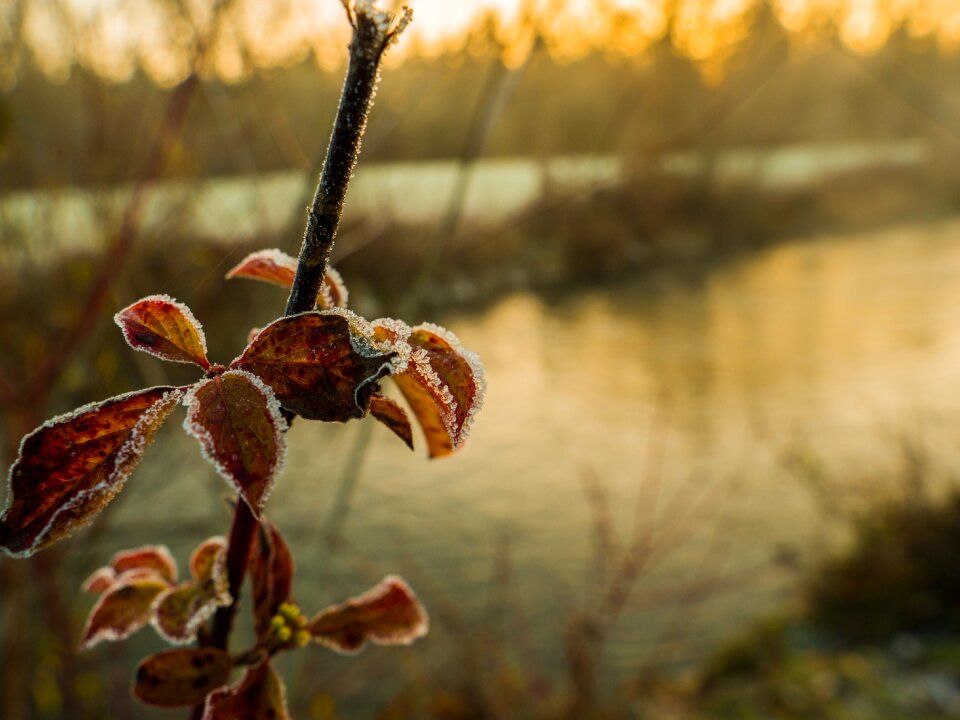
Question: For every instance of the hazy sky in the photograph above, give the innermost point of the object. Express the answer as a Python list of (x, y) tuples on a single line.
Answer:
[(113, 36)]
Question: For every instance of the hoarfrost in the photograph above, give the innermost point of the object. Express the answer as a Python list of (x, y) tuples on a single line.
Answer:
[(124, 461), (185, 311), (476, 369), (270, 255), (204, 436)]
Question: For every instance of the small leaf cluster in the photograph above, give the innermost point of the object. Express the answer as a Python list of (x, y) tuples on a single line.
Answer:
[(322, 364), (139, 587), (325, 364)]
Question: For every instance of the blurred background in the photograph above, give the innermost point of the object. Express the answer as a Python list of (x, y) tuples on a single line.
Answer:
[(708, 250)]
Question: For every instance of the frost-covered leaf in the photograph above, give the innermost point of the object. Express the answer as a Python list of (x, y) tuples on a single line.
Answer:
[(333, 292), (70, 467), (122, 610), (316, 367), (151, 557), (271, 573), (393, 416), (161, 326), (272, 266), (238, 423), (99, 580), (258, 695), (181, 677), (444, 386), (388, 614), (208, 561), (144, 562), (179, 611), (275, 266)]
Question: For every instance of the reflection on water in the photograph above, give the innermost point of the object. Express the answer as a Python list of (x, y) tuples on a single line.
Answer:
[(680, 395)]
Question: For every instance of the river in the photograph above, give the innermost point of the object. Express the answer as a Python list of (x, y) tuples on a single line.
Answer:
[(687, 396)]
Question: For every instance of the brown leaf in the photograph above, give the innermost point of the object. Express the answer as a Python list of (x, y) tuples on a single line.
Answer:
[(150, 557), (182, 677), (393, 416), (161, 326), (208, 560), (70, 467), (238, 423), (258, 695), (333, 292), (316, 367), (443, 384), (271, 573), (388, 614), (99, 580), (181, 610), (122, 610), (272, 266), (275, 266)]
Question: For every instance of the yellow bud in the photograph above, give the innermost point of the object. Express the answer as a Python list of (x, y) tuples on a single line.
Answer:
[(277, 622), (289, 610), (301, 638), (300, 621), (284, 634)]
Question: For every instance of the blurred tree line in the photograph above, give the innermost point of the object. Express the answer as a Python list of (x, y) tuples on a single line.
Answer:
[(774, 89)]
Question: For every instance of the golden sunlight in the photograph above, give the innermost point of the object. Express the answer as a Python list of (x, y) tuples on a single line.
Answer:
[(113, 37)]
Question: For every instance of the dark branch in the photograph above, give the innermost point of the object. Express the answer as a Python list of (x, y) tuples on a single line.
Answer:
[(373, 32)]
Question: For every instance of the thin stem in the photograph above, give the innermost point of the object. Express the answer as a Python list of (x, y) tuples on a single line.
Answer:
[(373, 31), (238, 551)]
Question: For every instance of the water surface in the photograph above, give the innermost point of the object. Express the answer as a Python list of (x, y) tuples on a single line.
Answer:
[(682, 395)]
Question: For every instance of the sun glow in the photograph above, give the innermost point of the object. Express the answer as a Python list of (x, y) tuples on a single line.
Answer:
[(113, 37)]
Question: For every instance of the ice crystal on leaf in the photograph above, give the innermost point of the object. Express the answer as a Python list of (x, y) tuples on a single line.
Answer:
[(70, 467), (139, 587), (237, 421), (311, 363), (163, 327), (442, 382), (275, 266), (388, 614), (124, 608), (180, 610)]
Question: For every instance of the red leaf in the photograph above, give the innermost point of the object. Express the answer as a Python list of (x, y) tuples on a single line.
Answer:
[(208, 560), (258, 695), (99, 580), (275, 266), (180, 610), (272, 266), (393, 416), (241, 432), (442, 382), (388, 614), (122, 610), (161, 326), (460, 376), (151, 557), (333, 292), (148, 561), (271, 572), (181, 678), (316, 366), (70, 467)]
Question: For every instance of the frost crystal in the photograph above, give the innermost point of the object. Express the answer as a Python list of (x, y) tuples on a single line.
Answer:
[(193, 424), (185, 311), (80, 510), (476, 368)]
